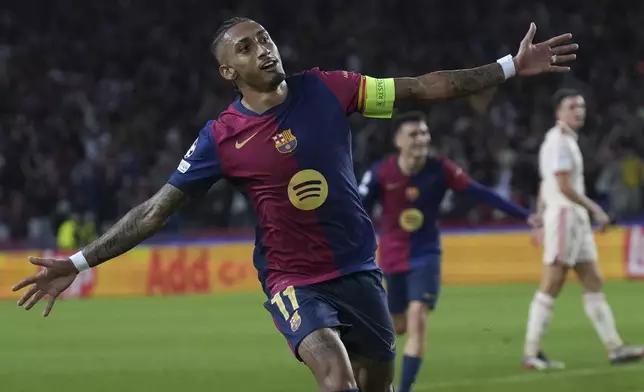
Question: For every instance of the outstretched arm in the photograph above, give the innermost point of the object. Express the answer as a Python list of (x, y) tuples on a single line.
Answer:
[(488, 197), (531, 59), (197, 171), (139, 224), (457, 180), (449, 84)]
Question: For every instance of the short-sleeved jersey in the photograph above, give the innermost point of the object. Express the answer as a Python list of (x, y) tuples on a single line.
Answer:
[(560, 152), (294, 164), (409, 232)]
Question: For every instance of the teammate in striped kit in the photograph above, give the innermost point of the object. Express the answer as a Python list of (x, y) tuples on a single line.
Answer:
[(410, 186)]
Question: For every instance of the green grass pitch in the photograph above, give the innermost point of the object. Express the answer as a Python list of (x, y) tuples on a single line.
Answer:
[(229, 343)]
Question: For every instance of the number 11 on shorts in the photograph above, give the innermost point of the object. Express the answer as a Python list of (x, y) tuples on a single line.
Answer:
[(289, 293)]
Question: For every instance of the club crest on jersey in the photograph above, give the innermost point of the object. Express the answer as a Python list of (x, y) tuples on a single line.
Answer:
[(412, 193), (296, 321), (285, 141)]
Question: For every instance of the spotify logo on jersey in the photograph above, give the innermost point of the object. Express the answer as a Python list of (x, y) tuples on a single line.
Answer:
[(411, 219), (307, 190)]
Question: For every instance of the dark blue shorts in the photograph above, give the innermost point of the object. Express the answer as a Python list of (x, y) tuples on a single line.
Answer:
[(354, 304), (422, 283)]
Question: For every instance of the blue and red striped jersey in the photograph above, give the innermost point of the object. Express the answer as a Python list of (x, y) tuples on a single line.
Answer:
[(294, 163), (409, 230)]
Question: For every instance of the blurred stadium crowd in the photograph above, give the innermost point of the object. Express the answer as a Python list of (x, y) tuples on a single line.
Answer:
[(100, 99)]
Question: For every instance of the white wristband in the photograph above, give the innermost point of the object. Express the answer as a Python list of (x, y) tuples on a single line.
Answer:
[(80, 261), (508, 66)]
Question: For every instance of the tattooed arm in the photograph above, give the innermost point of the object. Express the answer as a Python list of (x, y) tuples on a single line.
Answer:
[(449, 84), (140, 223), (531, 59), (199, 169), (137, 225)]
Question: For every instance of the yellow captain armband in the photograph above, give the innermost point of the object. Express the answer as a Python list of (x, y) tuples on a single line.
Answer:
[(376, 97)]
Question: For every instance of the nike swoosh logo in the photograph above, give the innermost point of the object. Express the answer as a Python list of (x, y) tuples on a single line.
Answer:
[(239, 144), (392, 186)]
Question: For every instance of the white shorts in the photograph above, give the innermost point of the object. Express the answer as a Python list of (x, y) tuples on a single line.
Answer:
[(568, 237)]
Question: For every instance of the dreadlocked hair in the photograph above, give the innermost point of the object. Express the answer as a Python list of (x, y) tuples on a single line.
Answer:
[(219, 35)]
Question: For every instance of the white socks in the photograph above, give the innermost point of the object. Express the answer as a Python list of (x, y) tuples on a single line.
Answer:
[(601, 316), (538, 320), (596, 307)]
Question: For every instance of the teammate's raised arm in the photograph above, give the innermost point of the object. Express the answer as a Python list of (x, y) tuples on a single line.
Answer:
[(531, 59), (459, 181)]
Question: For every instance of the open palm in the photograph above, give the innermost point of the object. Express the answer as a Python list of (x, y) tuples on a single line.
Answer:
[(546, 56), (56, 276)]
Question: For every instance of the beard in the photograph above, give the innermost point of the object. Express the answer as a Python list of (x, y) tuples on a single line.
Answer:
[(263, 83), (276, 79)]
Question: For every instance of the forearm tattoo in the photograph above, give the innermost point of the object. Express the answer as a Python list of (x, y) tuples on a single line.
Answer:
[(470, 81), (450, 84), (137, 225)]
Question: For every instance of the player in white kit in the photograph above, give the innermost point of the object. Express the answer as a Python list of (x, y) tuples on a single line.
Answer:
[(568, 238)]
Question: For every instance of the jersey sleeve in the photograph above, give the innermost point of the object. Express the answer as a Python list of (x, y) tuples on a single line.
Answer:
[(455, 177), (372, 97), (563, 161), (200, 168), (369, 187)]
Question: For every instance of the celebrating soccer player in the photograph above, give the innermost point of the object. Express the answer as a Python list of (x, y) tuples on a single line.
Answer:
[(568, 240), (411, 186), (285, 143)]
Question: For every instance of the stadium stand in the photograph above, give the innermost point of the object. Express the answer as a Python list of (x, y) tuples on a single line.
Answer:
[(99, 100)]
